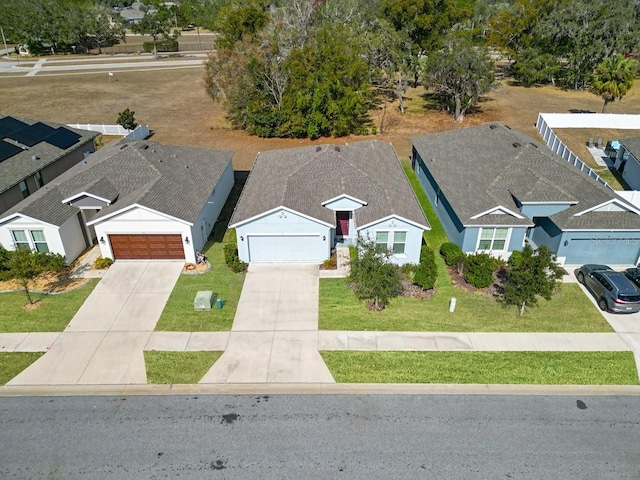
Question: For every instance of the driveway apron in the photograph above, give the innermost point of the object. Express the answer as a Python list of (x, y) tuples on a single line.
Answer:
[(274, 338), (104, 341)]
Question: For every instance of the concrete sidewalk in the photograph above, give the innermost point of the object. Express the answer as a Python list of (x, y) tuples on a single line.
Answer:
[(274, 338), (104, 341)]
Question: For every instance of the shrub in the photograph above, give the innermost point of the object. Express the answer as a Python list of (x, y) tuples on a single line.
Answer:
[(102, 262), (426, 273), (330, 263), (450, 253), (480, 268), (232, 259)]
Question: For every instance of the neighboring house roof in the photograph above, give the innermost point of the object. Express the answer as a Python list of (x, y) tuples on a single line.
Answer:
[(632, 145), (173, 180), (480, 168), (303, 178), (29, 146)]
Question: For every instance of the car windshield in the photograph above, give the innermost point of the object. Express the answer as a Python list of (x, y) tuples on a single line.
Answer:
[(629, 298)]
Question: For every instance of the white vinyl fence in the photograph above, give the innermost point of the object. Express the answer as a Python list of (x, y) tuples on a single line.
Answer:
[(548, 121), (139, 133)]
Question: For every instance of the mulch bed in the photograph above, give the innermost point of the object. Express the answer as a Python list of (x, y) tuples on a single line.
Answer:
[(493, 290)]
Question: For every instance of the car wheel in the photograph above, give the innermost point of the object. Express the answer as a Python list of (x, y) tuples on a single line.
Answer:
[(581, 277), (602, 303)]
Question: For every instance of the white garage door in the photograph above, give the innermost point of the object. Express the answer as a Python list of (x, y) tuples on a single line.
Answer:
[(284, 248)]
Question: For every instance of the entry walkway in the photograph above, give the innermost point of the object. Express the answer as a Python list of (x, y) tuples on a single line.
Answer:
[(274, 338), (104, 341)]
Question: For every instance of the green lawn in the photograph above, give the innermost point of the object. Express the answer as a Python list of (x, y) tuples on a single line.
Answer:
[(53, 314), (178, 314), (543, 368), (12, 363), (178, 367), (569, 311)]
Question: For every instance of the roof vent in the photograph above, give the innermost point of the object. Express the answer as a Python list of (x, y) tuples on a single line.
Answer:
[(337, 148), (186, 166), (318, 148), (493, 126), (533, 145), (35, 157), (517, 144), (144, 146), (508, 127), (433, 159), (124, 146), (175, 155)]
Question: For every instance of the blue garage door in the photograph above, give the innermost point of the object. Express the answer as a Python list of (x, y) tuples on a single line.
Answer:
[(612, 251), (283, 248)]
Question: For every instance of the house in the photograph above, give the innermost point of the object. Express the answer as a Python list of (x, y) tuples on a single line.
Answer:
[(494, 189), (33, 153), (628, 161), (136, 199), (299, 203)]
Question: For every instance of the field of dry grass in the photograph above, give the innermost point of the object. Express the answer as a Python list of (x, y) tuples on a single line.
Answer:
[(174, 104)]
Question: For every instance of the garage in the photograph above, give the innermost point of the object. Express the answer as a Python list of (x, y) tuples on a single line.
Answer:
[(147, 247), (612, 251), (281, 248)]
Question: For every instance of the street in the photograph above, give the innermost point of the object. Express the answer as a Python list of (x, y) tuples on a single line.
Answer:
[(320, 436)]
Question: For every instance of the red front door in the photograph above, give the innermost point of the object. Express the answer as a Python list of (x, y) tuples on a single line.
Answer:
[(342, 223)]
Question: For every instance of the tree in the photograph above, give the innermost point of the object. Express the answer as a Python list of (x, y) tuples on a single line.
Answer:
[(531, 67), (24, 265), (531, 274), (157, 24), (426, 273), (459, 74), (373, 276), (613, 78), (126, 119), (103, 28)]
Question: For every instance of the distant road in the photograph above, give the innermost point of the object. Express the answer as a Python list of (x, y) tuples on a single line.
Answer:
[(321, 437)]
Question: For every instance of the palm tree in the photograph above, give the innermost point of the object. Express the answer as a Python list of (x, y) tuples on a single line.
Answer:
[(613, 78)]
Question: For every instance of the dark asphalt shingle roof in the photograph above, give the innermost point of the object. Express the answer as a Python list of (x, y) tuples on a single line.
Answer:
[(632, 145), (174, 180), (22, 165), (302, 178), (479, 168)]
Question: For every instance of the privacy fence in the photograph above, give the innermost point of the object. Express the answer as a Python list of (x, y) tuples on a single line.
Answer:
[(139, 133)]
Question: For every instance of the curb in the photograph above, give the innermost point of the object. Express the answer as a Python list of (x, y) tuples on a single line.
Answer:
[(317, 389)]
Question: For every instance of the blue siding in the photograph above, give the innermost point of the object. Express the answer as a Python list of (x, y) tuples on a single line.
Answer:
[(546, 233), (545, 210), (452, 225), (517, 238), (470, 239)]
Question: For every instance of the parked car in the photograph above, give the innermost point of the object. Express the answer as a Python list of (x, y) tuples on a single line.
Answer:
[(613, 290), (634, 275)]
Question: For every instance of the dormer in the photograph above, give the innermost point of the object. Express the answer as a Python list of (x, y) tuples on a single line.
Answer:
[(344, 203), (612, 205), (498, 210), (97, 196)]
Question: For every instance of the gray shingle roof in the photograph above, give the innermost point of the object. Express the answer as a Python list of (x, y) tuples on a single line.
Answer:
[(22, 165), (303, 178), (633, 146), (174, 180), (482, 167)]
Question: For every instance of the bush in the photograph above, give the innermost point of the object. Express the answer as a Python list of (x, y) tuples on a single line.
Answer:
[(426, 273), (232, 259), (168, 45), (451, 253), (480, 268), (102, 262)]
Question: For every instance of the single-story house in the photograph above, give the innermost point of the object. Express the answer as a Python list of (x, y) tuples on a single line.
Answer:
[(299, 203), (33, 153), (494, 189), (628, 161), (136, 199)]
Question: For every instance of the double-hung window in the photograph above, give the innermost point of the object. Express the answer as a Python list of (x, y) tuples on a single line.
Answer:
[(493, 239), (33, 240), (39, 242), (393, 241), (20, 240)]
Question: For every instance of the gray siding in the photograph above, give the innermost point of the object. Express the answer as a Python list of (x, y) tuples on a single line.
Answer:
[(54, 169), (545, 210), (631, 172)]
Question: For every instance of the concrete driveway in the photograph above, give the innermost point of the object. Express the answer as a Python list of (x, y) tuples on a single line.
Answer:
[(274, 338), (104, 341)]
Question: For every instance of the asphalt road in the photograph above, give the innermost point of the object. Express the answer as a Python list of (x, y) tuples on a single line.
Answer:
[(320, 436)]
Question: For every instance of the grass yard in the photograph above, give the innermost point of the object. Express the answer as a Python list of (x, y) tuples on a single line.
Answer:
[(53, 314), (12, 363), (178, 367), (541, 368)]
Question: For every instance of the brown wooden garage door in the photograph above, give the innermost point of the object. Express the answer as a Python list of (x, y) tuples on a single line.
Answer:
[(143, 247)]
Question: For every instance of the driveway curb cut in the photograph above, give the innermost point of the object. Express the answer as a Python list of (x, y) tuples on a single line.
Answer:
[(317, 389)]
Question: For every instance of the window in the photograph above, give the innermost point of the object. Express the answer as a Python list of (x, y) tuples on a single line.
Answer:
[(39, 182), (39, 242), (24, 189), (393, 241), (20, 239), (493, 239)]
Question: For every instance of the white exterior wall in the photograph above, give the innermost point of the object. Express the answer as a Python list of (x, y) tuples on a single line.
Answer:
[(343, 204), (141, 221), (413, 243), (283, 222), (72, 238), (209, 215), (51, 234)]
